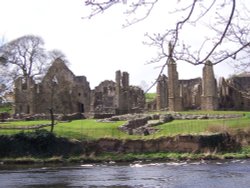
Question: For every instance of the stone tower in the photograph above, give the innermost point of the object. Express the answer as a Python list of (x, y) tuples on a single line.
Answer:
[(209, 98), (122, 92), (174, 98), (118, 88), (162, 93), (25, 99), (125, 80)]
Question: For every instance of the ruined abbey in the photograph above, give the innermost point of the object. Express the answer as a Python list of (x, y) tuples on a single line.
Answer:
[(201, 93), (66, 93)]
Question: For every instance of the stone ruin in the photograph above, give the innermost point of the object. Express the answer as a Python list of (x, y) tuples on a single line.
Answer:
[(145, 124), (201, 93), (234, 92), (112, 98), (66, 93)]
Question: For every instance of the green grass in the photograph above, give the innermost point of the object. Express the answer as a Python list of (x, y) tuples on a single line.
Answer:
[(216, 112), (78, 129), (91, 129), (6, 108), (19, 124), (24, 123), (244, 153), (150, 97), (199, 126)]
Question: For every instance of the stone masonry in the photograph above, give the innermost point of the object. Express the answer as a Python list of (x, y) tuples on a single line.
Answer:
[(60, 89), (162, 93), (234, 92), (209, 98), (174, 97), (66, 93)]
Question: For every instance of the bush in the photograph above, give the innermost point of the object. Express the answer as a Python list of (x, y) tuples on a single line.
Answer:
[(39, 142)]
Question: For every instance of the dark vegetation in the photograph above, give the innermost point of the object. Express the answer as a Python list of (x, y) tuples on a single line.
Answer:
[(6, 108), (40, 143)]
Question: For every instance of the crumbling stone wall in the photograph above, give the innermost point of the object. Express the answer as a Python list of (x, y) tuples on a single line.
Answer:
[(176, 95), (191, 93), (66, 93), (25, 88), (104, 98), (60, 89), (129, 99), (232, 92), (174, 98), (209, 88), (162, 93), (117, 97)]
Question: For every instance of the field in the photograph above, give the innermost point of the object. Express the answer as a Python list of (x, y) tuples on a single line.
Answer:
[(6, 108), (91, 129), (150, 97)]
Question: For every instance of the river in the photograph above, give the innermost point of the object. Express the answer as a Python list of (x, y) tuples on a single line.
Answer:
[(205, 174)]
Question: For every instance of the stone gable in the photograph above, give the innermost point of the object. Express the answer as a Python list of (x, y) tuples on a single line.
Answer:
[(66, 93)]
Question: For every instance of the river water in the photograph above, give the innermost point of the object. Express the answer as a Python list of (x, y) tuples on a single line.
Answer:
[(200, 174)]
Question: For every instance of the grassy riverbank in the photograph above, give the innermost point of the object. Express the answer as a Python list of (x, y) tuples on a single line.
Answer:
[(244, 153), (90, 129)]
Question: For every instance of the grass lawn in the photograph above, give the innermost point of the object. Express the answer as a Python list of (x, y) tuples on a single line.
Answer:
[(6, 108), (200, 126), (91, 129), (150, 97), (217, 112), (78, 129)]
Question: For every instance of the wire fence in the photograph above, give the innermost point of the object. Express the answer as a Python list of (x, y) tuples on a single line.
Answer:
[(82, 131)]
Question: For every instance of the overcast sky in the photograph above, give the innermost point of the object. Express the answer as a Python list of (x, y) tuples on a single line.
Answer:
[(97, 47)]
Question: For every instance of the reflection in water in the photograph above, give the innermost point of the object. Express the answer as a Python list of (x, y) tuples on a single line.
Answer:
[(228, 174)]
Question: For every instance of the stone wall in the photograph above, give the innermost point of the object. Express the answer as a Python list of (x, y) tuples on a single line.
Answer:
[(209, 98), (60, 89), (174, 98), (66, 93), (191, 93), (129, 99), (24, 95), (162, 93), (234, 91), (177, 95), (104, 98)]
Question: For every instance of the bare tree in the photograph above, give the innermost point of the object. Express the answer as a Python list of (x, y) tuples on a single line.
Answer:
[(3, 61), (222, 29), (55, 54), (24, 56), (2, 58)]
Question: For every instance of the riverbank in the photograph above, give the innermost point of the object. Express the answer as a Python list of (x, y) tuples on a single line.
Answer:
[(128, 157), (44, 147)]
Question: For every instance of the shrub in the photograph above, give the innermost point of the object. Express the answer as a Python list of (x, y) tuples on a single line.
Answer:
[(39, 142)]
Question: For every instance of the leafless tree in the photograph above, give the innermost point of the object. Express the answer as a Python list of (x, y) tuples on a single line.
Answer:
[(3, 84), (24, 56), (55, 54), (222, 29)]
